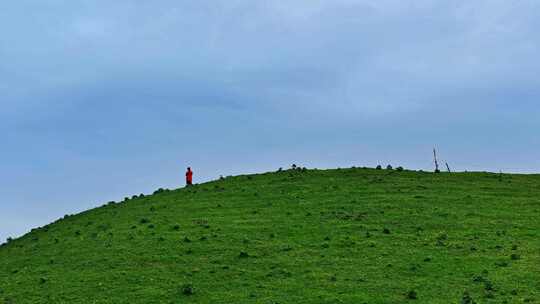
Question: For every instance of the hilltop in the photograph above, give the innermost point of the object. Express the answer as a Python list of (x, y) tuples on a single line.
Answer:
[(295, 236)]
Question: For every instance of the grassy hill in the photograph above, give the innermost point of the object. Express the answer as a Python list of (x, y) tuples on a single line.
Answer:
[(319, 236)]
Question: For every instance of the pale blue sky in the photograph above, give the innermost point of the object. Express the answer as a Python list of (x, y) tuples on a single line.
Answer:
[(104, 99)]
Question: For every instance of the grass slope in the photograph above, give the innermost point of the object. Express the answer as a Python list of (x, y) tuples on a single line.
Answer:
[(333, 236)]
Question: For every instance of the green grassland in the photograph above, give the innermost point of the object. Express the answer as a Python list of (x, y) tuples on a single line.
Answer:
[(316, 236)]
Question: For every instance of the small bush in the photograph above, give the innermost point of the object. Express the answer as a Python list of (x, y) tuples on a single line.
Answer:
[(412, 295), (176, 227), (467, 299), (399, 169), (144, 221), (243, 255), (379, 167), (502, 264), (386, 231), (389, 167), (187, 289)]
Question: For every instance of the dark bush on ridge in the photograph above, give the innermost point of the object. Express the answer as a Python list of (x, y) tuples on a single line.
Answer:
[(411, 295), (187, 289), (389, 167), (379, 167), (467, 299), (399, 169)]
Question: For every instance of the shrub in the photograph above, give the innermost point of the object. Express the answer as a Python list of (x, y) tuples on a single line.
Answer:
[(412, 295), (176, 227), (467, 299), (502, 264), (386, 231), (379, 167), (389, 167), (144, 221), (243, 255), (187, 289), (399, 169)]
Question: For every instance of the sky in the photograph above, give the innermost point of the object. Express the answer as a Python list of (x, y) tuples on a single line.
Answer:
[(105, 99)]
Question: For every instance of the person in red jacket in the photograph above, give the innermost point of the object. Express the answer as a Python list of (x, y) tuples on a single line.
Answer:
[(189, 177)]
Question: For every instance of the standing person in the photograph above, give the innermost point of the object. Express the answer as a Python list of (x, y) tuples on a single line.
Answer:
[(189, 177)]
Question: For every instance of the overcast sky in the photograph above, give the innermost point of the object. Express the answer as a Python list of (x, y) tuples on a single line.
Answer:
[(104, 99)]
